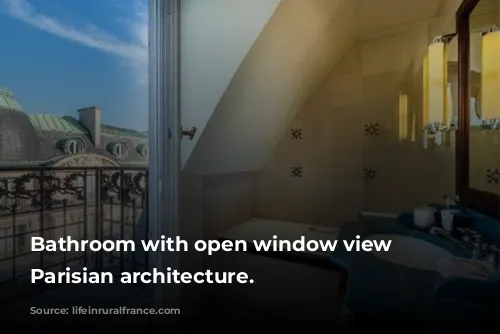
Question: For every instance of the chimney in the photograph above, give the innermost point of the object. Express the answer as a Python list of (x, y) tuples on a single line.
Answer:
[(91, 119)]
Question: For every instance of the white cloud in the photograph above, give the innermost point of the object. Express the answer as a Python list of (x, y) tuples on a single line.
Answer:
[(137, 28), (134, 51)]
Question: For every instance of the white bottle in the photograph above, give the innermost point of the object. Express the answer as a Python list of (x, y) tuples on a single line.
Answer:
[(447, 217)]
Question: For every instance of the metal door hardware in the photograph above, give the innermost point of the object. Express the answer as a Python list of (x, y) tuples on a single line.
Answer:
[(189, 133)]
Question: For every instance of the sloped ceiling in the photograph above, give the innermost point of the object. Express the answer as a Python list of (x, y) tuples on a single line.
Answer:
[(382, 14), (216, 35), (300, 44)]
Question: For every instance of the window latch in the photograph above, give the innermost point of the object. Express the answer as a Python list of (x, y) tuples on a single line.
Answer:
[(188, 133)]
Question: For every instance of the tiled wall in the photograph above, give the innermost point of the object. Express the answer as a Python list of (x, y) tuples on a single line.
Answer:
[(314, 175), (406, 173), (484, 151), (227, 200), (208, 205), (343, 154)]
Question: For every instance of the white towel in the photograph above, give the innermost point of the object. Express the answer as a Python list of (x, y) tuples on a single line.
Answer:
[(466, 268)]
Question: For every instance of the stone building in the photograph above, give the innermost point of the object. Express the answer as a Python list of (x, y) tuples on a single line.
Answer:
[(37, 192)]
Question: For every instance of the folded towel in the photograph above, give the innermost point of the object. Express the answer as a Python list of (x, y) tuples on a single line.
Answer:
[(466, 268)]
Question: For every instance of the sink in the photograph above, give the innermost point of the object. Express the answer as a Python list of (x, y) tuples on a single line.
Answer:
[(410, 252)]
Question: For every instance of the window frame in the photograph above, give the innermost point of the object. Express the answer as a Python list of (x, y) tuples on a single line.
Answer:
[(478, 200), (164, 136), (77, 143)]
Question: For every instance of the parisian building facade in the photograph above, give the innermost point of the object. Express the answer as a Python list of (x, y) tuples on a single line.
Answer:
[(66, 176)]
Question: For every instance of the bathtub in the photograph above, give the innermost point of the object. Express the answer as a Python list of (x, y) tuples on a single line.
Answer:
[(257, 228), (305, 286)]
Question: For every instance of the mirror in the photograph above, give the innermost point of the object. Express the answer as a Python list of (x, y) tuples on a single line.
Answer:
[(484, 134)]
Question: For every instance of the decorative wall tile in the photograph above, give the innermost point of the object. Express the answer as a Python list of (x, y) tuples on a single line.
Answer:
[(296, 134), (296, 171), (493, 175), (370, 174), (372, 130)]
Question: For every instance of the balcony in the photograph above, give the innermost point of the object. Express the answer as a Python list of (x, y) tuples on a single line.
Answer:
[(85, 203)]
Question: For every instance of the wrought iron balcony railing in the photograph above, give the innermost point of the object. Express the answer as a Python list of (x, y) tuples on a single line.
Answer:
[(87, 203)]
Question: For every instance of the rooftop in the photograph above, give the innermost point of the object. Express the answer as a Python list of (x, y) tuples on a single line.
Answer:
[(68, 124), (7, 100), (37, 139)]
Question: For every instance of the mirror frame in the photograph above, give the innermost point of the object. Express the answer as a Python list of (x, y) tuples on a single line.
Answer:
[(481, 201)]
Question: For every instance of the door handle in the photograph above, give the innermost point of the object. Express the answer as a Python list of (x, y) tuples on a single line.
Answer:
[(189, 133)]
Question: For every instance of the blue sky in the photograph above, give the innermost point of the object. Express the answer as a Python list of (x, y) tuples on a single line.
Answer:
[(58, 56)]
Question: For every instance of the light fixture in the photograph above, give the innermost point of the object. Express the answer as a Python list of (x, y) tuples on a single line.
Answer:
[(490, 78), (425, 90), (435, 86), (413, 127), (403, 116)]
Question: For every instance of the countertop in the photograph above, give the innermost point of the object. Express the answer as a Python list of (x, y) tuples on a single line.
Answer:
[(375, 284)]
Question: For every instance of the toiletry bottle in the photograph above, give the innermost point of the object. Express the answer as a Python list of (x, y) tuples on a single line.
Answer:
[(448, 201), (444, 206)]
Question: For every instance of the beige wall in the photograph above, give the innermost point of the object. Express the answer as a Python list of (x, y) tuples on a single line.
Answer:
[(210, 204), (361, 90), (365, 55), (216, 35), (334, 152), (485, 160), (227, 198), (301, 42)]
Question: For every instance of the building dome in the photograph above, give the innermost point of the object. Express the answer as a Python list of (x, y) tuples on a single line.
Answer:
[(18, 138), (7, 101)]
